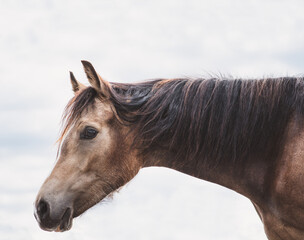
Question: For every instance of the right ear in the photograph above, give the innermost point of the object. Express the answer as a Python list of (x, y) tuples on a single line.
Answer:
[(99, 84), (76, 86)]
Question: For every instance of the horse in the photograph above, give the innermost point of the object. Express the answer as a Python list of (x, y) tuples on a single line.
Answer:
[(244, 134)]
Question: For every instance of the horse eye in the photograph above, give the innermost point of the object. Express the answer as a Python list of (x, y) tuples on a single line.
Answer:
[(88, 133)]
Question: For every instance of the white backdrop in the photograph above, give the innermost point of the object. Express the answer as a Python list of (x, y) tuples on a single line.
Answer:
[(128, 41)]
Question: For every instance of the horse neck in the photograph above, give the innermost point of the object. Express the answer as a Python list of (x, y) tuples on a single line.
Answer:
[(248, 179)]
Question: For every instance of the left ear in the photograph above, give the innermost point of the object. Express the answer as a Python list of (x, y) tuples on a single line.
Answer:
[(76, 86), (95, 80)]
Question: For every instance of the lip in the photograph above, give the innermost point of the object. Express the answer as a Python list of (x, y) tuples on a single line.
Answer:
[(66, 221)]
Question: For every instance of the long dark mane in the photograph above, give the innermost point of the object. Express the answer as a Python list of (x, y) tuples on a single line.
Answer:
[(208, 120)]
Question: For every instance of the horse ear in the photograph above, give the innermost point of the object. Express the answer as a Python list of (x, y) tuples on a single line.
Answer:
[(76, 86), (95, 80)]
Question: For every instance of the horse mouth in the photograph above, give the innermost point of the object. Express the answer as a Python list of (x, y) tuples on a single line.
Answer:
[(66, 221)]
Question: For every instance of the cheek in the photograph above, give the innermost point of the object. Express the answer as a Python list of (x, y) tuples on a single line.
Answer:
[(96, 152), (82, 161), (83, 181)]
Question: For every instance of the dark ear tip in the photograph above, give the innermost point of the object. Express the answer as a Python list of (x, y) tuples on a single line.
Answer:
[(86, 63), (72, 76)]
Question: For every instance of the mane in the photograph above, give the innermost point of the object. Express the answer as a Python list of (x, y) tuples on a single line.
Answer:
[(210, 120)]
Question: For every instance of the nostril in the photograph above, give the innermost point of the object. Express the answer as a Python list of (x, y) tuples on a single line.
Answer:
[(43, 209)]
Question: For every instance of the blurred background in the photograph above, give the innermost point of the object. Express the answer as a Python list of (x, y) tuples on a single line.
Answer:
[(129, 41)]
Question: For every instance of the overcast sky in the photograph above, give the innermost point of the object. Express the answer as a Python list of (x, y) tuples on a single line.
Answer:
[(129, 41)]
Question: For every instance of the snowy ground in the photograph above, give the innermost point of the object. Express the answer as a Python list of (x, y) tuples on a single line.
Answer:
[(127, 41)]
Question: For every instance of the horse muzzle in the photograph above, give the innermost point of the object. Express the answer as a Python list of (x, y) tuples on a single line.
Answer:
[(53, 217)]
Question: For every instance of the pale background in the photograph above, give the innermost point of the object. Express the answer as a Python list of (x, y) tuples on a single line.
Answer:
[(128, 41)]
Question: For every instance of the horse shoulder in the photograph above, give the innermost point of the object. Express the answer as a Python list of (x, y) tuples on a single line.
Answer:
[(283, 210)]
